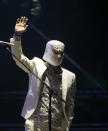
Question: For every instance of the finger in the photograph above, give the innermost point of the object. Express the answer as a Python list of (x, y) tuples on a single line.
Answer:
[(21, 19), (26, 26), (24, 19)]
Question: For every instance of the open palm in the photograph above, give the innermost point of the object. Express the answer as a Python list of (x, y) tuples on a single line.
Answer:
[(21, 25)]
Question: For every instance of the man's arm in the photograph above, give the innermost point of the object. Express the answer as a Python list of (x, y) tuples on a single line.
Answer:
[(70, 100), (20, 28)]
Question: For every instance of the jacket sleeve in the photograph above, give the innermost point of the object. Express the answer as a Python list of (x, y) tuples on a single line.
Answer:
[(17, 51), (70, 100)]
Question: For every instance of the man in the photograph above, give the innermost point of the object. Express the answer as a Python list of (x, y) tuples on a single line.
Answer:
[(62, 81)]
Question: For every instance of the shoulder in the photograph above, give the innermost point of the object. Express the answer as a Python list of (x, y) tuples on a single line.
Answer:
[(69, 73), (38, 62), (69, 78)]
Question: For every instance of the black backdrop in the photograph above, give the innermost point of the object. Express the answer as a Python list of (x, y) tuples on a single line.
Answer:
[(82, 26)]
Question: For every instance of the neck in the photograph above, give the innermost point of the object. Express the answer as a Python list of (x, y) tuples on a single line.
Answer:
[(56, 69)]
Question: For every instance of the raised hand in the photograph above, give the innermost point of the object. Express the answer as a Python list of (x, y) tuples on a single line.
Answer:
[(21, 25)]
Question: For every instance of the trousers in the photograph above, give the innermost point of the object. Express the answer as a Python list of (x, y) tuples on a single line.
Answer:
[(31, 125)]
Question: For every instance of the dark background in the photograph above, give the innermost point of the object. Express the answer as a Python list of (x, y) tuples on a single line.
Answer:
[(82, 25)]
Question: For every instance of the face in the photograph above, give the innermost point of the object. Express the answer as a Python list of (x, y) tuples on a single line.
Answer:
[(54, 53), (59, 53), (56, 56)]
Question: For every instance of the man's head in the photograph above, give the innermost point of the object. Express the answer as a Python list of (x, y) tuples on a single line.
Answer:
[(54, 52)]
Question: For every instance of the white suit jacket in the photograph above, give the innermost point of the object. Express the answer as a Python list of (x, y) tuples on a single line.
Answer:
[(38, 67)]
